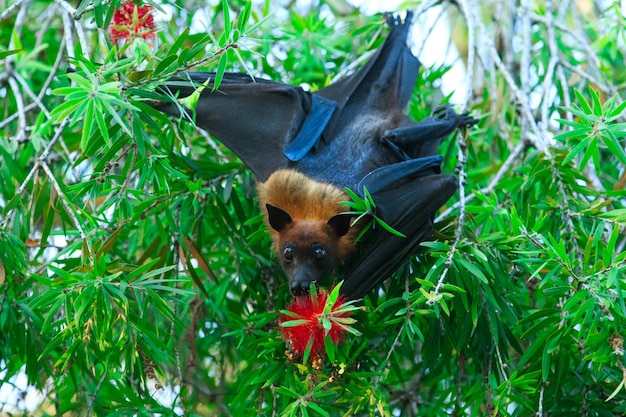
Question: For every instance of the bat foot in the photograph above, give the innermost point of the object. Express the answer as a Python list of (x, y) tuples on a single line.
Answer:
[(465, 120), (446, 112)]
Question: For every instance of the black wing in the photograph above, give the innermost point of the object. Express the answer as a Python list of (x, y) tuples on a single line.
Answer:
[(256, 119), (407, 196)]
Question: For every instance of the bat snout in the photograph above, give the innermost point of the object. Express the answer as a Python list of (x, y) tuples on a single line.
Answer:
[(306, 267), (301, 278), (299, 288)]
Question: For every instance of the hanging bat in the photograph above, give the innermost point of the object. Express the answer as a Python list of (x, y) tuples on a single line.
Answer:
[(307, 148)]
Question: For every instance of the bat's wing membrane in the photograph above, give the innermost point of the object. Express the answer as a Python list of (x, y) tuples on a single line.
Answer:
[(408, 206), (407, 195), (257, 119), (385, 82)]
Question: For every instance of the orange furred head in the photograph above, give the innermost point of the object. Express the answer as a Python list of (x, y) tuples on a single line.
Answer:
[(311, 234)]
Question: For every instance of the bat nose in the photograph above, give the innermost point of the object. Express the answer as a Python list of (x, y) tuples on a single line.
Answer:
[(300, 287)]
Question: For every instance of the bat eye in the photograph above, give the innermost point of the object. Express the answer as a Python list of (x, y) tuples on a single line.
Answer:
[(288, 253), (320, 254)]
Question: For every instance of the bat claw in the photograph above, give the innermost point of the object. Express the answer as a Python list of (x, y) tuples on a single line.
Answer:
[(461, 120), (465, 120)]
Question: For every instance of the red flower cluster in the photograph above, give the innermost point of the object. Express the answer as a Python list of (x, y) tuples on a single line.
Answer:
[(308, 320), (131, 22)]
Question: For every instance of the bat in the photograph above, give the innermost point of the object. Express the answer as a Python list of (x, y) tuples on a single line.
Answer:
[(353, 134)]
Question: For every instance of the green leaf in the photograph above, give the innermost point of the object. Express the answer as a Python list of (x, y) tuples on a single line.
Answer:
[(580, 147), (87, 125), (473, 269), (65, 109), (4, 54), (221, 68), (617, 390), (244, 17), (390, 229), (307, 350), (330, 348), (317, 408), (332, 298), (191, 101), (597, 106), (609, 249), (583, 103), (167, 64), (143, 279), (227, 24), (294, 323), (614, 146), (617, 112)]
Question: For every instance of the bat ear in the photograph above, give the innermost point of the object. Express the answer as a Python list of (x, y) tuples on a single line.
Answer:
[(340, 224), (278, 218)]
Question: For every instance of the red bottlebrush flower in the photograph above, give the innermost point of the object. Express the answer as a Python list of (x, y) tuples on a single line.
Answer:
[(131, 22), (312, 321)]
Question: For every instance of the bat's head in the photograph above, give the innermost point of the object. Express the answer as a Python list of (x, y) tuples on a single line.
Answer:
[(309, 250)]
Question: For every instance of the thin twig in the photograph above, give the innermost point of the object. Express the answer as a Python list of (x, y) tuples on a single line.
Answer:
[(431, 29), (495, 180), (45, 20), (554, 66), (592, 58), (31, 94), (12, 7), (460, 223), (177, 262), (584, 74), (44, 154), (44, 87), (524, 70), (407, 317), (69, 22), (20, 20), (522, 99), (92, 397), (565, 7), (70, 212), (550, 70), (131, 168), (89, 8), (350, 68), (68, 35), (471, 55), (21, 114), (501, 365), (188, 66), (425, 6), (540, 403), (537, 140)]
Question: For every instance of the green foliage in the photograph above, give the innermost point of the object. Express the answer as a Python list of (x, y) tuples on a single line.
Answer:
[(365, 208), (136, 275)]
